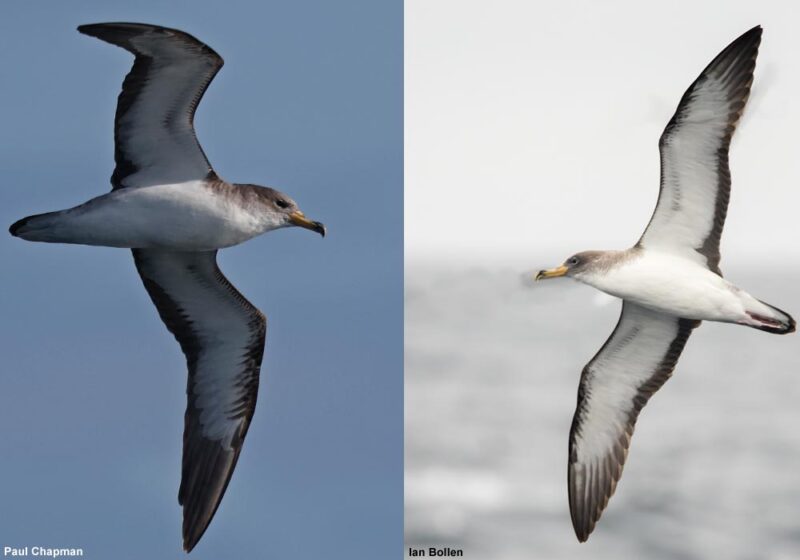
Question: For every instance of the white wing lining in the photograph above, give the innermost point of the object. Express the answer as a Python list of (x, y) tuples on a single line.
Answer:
[(154, 135), (634, 363), (695, 175)]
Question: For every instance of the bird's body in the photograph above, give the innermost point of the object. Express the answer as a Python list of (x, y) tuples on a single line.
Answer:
[(669, 281), (171, 208), (676, 286), (200, 215)]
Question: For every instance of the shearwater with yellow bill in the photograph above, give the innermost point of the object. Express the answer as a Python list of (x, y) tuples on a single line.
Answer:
[(669, 281)]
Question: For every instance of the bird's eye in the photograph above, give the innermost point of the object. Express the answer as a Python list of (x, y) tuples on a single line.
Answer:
[(280, 203), (573, 261)]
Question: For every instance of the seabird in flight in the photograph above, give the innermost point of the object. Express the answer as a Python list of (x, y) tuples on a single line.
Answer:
[(175, 212), (669, 281)]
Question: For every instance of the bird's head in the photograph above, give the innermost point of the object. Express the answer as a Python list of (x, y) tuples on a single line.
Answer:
[(282, 211), (574, 266)]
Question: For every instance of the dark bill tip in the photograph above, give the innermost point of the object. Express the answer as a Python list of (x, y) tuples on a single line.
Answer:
[(299, 219)]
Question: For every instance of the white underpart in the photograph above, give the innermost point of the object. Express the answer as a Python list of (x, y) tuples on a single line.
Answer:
[(677, 286), (190, 216)]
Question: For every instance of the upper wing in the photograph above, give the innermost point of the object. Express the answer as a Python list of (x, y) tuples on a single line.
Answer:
[(154, 134), (635, 361), (222, 335), (695, 177)]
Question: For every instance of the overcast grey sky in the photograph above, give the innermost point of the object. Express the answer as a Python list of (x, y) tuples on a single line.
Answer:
[(532, 133), (92, 386), (532, 127)]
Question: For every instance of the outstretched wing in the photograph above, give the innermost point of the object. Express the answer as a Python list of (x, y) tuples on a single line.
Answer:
[(222, 335), (695, 176), (154, 136), (634, 363)]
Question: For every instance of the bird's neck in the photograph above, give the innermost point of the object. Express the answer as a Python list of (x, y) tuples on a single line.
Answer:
[(604, 265)]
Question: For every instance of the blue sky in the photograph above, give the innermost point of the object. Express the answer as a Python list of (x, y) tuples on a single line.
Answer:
[(92, 385)]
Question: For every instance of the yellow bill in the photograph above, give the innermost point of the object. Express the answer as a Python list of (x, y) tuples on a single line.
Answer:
[(552, 273)]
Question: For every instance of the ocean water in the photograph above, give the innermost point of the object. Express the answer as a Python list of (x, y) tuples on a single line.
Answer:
[(492, 368)]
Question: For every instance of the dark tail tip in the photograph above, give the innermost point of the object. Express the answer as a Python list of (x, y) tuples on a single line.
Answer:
[(773, 326), (775, 330), (15, 227)]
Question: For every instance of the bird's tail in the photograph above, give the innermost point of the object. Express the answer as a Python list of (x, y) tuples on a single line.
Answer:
[(34, 228), (774, 320)]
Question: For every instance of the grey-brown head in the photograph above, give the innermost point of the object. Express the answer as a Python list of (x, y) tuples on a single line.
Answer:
[(280, 210), (580, 263)]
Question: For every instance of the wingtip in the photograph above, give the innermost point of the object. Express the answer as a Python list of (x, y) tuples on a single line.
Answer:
[(582, 529), (110, 27), (754, 34), (749, 39), (192, 536), (582, 525), (90, 29)]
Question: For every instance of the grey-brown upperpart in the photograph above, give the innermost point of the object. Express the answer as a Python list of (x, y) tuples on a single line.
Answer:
[(592, 262)]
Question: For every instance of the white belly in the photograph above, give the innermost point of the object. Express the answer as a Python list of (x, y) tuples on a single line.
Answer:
[(185, 217), (675, 286)]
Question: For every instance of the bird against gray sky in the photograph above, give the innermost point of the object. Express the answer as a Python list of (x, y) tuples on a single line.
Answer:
[(168, 204), (669, 281)]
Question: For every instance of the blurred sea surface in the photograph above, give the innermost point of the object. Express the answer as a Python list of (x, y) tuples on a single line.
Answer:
[(492, 368)]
